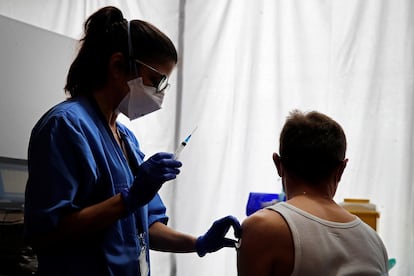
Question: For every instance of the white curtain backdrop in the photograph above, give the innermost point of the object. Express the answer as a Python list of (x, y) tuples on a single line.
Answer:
[(243, 66)]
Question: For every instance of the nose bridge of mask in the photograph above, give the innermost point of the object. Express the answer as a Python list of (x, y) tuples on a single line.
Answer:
[(136, 83)]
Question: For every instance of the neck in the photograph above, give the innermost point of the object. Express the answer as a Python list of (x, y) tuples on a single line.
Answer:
[(322, 190), (312, 195), (106, 106)]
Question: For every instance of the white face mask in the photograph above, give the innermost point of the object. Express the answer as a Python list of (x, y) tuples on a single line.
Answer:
[(141, 100)]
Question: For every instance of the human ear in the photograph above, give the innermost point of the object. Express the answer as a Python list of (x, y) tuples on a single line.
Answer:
[(117, 65), (341, 169), (278, 164)]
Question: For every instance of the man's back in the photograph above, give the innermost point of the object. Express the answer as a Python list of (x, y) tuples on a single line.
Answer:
[(309, 234), (295, 242)]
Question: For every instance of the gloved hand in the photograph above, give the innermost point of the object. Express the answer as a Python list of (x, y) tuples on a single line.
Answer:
[(151, 174), (215, 238)]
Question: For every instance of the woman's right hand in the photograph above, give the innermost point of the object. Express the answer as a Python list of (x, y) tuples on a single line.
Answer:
[(158, 169)]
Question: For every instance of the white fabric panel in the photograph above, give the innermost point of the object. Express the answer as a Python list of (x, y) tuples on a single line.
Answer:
[(373, 53), (251, 63), (67, 16), (246, 64)]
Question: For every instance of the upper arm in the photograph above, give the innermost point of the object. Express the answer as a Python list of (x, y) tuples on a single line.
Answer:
[(54, 171), (266, 245)]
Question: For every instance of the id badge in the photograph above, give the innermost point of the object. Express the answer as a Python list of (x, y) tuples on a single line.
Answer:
[(143, 264)]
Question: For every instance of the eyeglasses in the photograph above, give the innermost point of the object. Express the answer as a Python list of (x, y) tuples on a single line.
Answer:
[(162, 83)]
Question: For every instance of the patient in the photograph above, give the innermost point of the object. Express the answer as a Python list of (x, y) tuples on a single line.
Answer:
[(309, 234)]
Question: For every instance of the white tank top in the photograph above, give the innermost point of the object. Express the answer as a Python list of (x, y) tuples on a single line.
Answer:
[(324, 248)]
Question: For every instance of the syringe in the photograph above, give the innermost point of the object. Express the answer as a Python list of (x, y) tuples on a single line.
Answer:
[(183, 144)]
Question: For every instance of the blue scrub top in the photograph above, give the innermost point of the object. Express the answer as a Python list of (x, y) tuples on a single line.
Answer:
[(75, 162)]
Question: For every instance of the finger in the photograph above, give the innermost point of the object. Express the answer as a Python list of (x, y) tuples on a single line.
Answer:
[(229, 243), (237, 230), (170, 170), (169, 176), (235, 224), (171, 163), (162, 155)]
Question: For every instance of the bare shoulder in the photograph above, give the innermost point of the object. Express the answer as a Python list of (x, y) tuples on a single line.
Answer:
[(266, 226), (267, 242), (265, 221)]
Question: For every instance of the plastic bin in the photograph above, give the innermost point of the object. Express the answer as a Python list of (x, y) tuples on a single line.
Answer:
[(257, 201), (362, 208)]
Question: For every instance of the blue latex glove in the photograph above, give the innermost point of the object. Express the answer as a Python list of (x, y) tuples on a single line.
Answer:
[(151, 174), (215, 238)]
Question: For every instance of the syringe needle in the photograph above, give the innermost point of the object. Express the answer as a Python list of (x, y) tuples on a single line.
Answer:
[(183, 144)]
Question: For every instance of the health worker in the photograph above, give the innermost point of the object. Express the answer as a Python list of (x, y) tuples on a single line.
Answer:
[(91, 204)]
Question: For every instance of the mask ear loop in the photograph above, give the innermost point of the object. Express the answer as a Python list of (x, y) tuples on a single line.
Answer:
[(132, 65)]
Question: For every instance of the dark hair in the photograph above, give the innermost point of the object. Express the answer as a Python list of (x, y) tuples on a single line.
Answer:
[(105, 33), (312, 145)]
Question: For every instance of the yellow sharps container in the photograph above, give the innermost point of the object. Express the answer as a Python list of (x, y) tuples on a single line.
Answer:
[(362, 208)]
